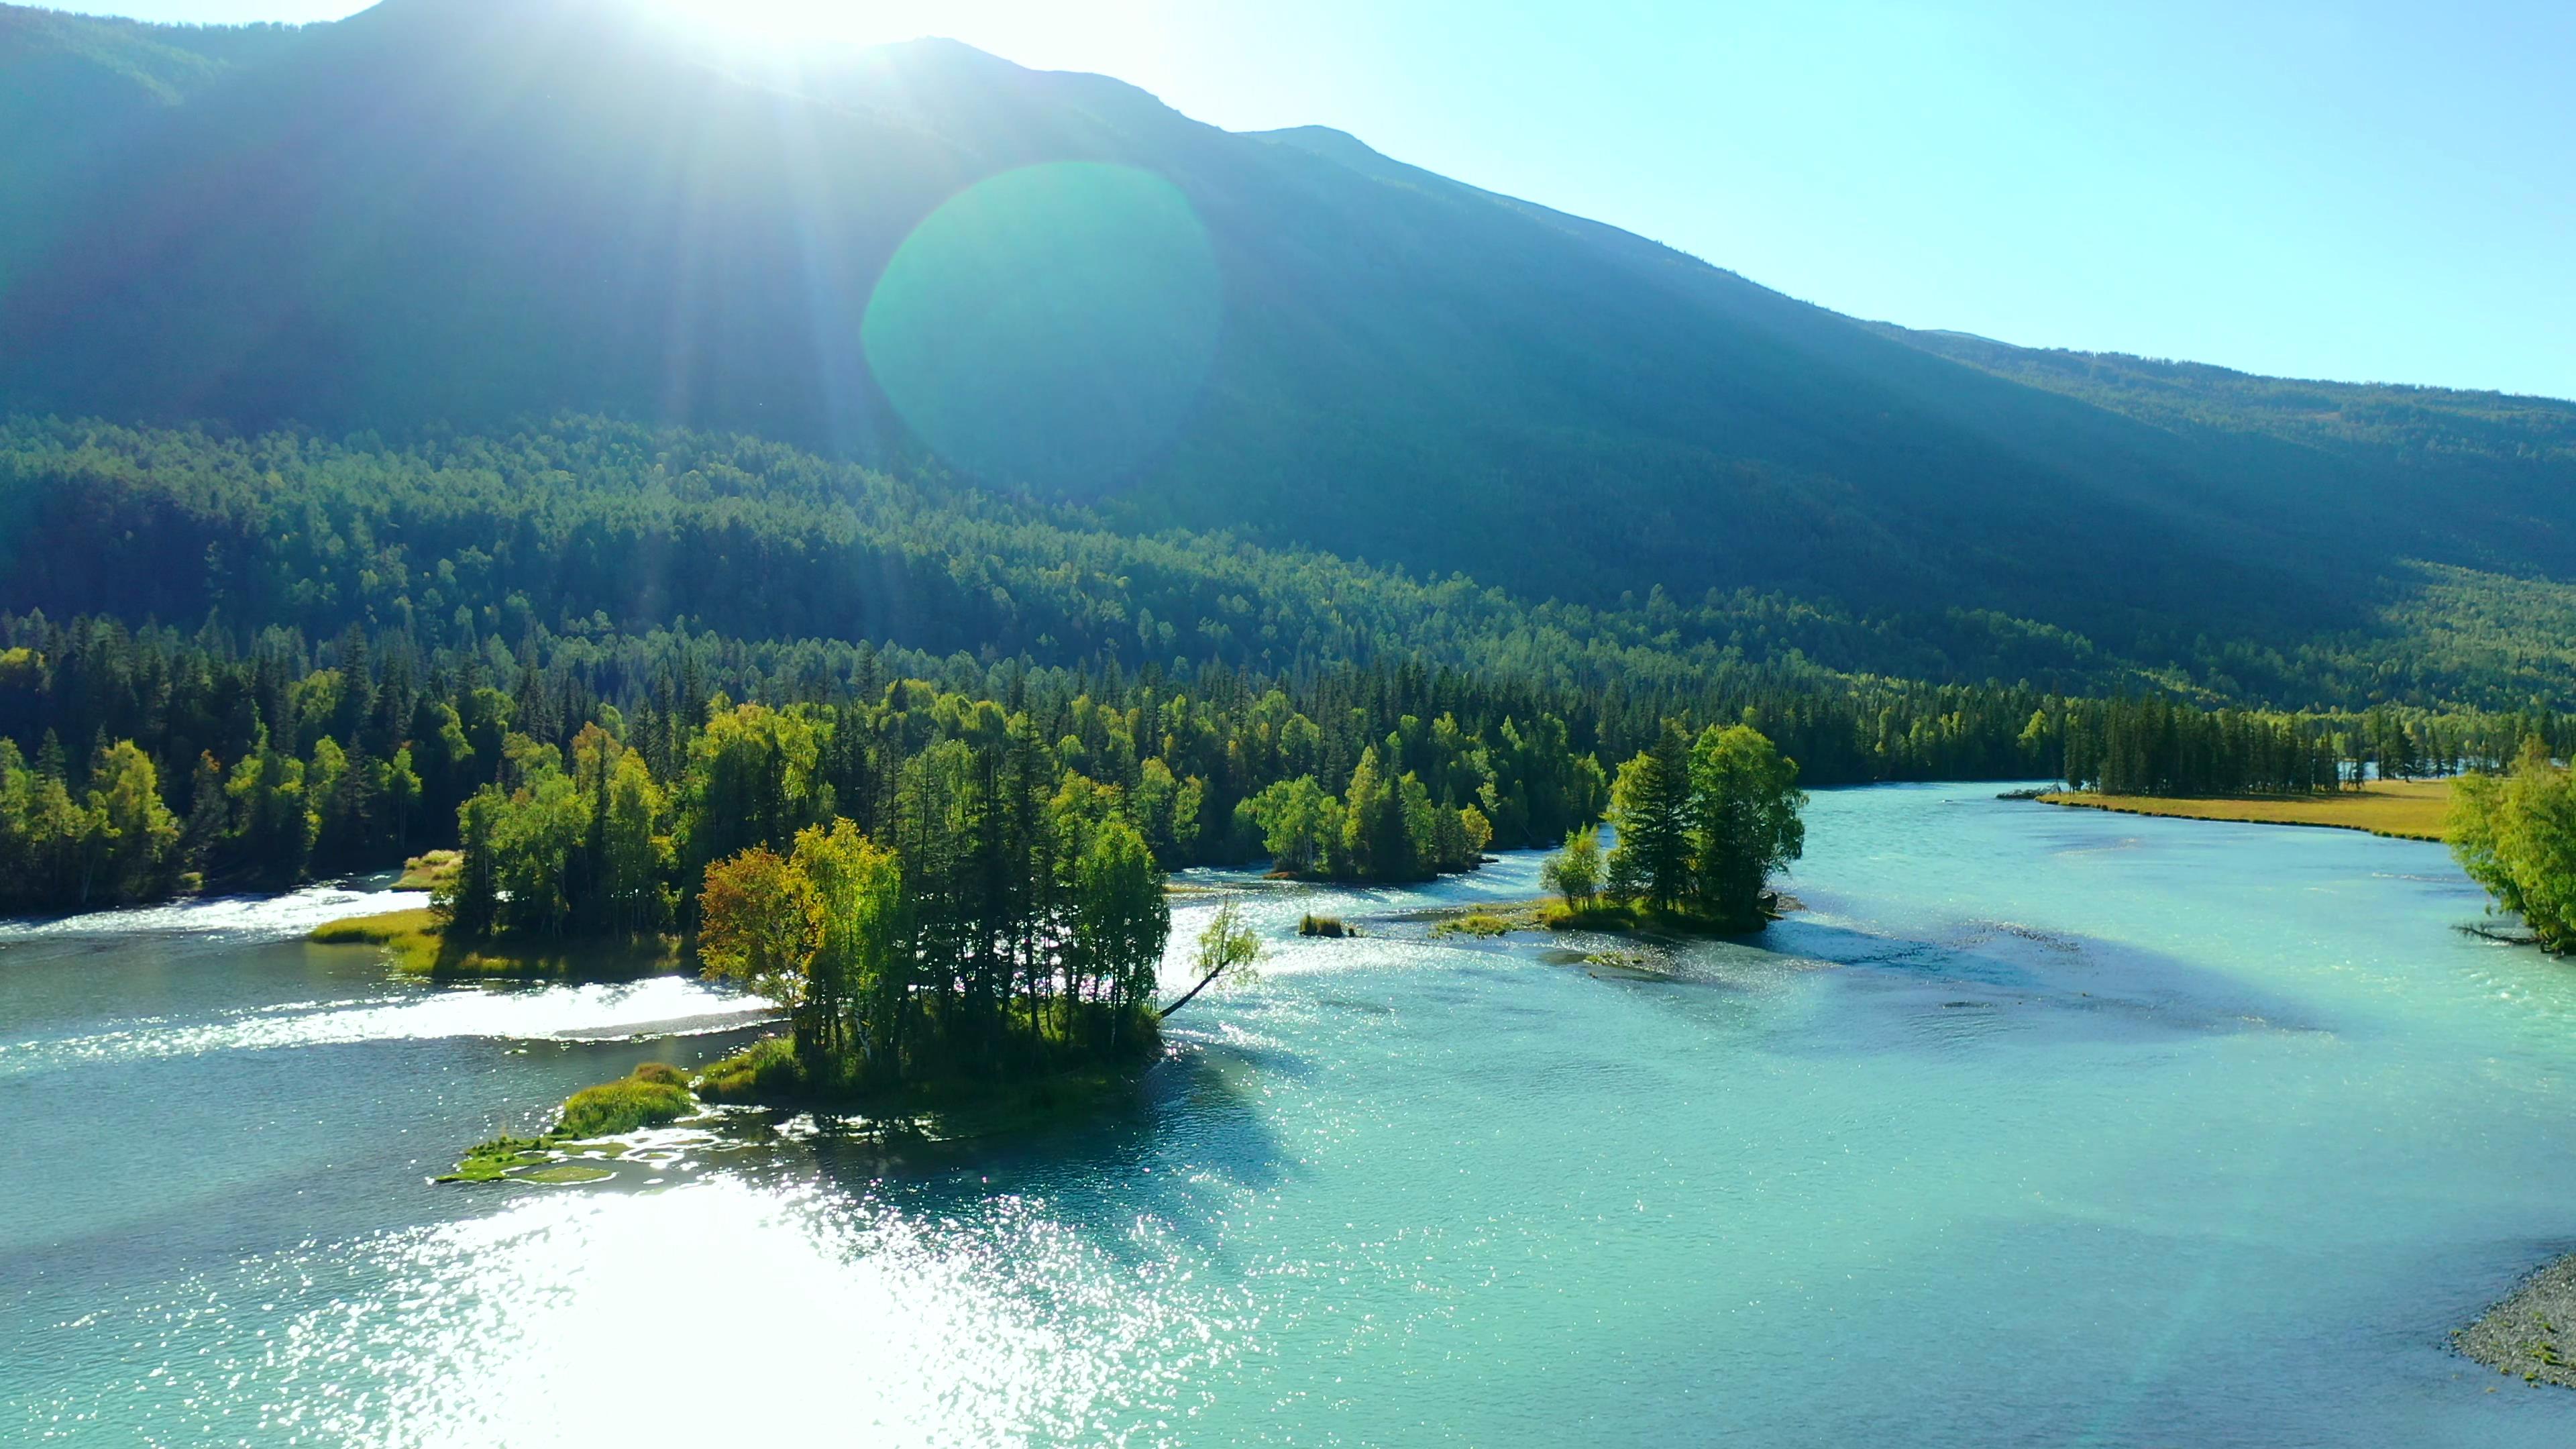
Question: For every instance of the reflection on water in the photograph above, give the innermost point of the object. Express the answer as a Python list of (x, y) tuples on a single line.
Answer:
[(2016, 1137), (570, 1317)]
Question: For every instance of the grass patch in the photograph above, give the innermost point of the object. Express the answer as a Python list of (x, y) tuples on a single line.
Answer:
[(412, 938), (418, 942), (2404, 809), (491, 1161), (657, 1093), (1486, 922), (1331, 926), (622, 1106), (765, 1071), (1636, 919), (1603, 915), (565, 1173), (429, 870)]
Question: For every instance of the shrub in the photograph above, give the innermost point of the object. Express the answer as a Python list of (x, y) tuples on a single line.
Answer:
[(623, 1106), (767, 1069), (1479, 923)]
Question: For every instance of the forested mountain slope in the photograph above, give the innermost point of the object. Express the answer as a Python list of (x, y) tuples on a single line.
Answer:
[(451, 216), (582, 526)]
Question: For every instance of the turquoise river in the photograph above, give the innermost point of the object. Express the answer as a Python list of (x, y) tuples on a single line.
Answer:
[(2038, 1127)]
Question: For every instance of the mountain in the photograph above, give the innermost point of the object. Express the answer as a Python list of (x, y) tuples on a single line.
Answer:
[(446, 216)]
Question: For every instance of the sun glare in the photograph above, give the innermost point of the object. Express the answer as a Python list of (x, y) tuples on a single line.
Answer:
[(800, 20), (875, 22)]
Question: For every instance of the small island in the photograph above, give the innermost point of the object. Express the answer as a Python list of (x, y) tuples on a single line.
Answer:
[(655, 1094), (1701, 826), (997, 936)]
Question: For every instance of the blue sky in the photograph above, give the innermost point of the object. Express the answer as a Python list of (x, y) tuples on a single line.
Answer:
[(2360, 191)]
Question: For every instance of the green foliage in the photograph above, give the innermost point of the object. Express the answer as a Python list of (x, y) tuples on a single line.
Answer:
[(478, 686), (1702, 824), (457, 541), (2516, 835), (1119, 917), (758, 926), (654, 1094), (613, 1108), (765, 1071), (1224, 945), (2160, 747), (1576, 872), (1744, 825), (492, 1161), (1010, 900), (1485, 923), (104, 840), (1396, 830), (1300, 825), (415, 939), (1650, 808)]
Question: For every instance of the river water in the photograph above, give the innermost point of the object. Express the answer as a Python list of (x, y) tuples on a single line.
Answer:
[(2040, 1127)]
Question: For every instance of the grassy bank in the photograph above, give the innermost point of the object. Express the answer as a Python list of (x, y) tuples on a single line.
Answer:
[(657, 1094), (2407, 809), (429, 871), (418, 944), (960, 1103), (1606, 916)]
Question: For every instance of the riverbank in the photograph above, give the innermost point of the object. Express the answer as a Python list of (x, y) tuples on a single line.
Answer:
[(418, 943), (1606, 917), (589, 1137), (961, 1103), (2533, 1331), (2403, 809)]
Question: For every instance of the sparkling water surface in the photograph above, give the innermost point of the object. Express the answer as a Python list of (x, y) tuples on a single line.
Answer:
[(2038, 1127)]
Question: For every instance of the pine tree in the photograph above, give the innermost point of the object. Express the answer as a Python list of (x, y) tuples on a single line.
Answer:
[(1650, 809)]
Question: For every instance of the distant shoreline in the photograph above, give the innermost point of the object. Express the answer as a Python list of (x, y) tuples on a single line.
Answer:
[(2400, 809)]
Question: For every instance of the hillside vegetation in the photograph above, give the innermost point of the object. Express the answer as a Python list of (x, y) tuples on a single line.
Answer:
[(442, 219)]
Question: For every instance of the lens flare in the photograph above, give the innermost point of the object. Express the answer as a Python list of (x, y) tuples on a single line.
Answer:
[(1052, 325)]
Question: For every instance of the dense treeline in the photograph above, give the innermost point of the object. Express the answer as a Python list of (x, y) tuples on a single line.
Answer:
[(584, 527), (2161, 747), (279, 759), (280, 762), (590, 528)]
